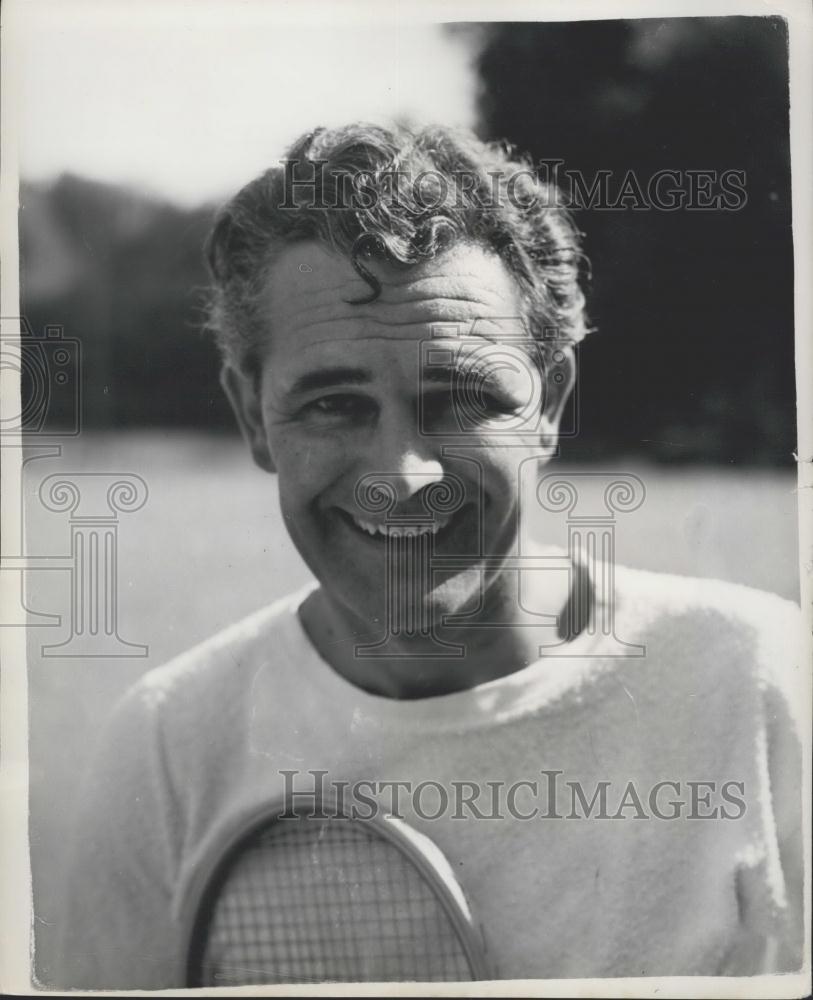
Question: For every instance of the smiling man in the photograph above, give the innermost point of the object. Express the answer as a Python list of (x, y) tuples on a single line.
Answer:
[(397, 313), (340, 395)]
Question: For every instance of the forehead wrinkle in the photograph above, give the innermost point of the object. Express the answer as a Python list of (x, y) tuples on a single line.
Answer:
[(432, 290), (411, 288), (400, 331), (406, 284), (429, 320), (446, 308), (452, 285), (472, 339), (438, 294), (351, 283)]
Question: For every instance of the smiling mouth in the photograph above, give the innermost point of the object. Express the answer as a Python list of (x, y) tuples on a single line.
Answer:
[(379, 531)]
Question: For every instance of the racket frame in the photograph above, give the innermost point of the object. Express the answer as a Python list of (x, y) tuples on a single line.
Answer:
[(210, 874)]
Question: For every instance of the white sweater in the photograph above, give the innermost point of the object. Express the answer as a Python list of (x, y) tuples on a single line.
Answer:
[(202, 741)]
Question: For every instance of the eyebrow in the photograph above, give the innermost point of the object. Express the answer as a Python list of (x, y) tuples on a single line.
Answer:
[(325, 378), (448, 374)]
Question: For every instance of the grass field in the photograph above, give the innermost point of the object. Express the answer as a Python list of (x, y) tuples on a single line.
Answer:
[(209, 546)]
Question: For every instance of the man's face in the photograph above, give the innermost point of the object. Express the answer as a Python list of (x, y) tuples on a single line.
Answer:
[(347, 391)]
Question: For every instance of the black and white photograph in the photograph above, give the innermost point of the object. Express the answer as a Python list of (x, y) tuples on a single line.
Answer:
[(407, 491)]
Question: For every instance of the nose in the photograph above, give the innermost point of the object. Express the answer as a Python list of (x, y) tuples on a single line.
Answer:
[(408, 460), (414, 471)]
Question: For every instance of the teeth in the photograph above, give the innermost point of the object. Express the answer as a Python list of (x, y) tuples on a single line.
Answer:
[(399, 530)]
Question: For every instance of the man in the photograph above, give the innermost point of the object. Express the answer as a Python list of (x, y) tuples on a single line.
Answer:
[(397, 313)]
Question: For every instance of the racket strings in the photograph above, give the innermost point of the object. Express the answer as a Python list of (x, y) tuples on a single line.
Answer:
[(328, 901)]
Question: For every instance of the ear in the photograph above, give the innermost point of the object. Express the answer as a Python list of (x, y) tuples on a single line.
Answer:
[(560, 376), (243, 393)]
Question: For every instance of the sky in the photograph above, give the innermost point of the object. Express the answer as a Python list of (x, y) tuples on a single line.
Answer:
[(190, 101)]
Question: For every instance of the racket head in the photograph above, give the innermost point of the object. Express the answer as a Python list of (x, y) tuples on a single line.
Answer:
[(314, 894)]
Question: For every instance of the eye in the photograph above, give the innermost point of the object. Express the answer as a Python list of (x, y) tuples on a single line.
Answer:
[(482, 404), (459, 408), (490, 404), (340, 406)]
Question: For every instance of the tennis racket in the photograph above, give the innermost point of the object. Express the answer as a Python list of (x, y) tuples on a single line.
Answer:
[(314, 895)]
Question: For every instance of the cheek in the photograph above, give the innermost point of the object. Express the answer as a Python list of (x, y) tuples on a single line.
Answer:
[(500, 469), (307, 465), (508, 480)]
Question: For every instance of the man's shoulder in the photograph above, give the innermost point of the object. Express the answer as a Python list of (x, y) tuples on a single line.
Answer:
[(714, 614), (228, 657), (670, 593)]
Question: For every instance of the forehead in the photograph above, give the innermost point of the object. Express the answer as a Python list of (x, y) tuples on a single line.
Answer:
[(310, 294)]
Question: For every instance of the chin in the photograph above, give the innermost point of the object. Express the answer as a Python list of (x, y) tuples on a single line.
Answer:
[(369, 605)]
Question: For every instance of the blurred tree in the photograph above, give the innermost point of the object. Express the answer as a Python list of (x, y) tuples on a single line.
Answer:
[(124, 274), (693, 358)]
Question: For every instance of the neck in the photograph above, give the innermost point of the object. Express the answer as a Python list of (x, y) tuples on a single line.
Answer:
[(501, 638)]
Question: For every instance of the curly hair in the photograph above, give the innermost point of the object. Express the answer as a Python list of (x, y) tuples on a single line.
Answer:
[(403, 195)]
